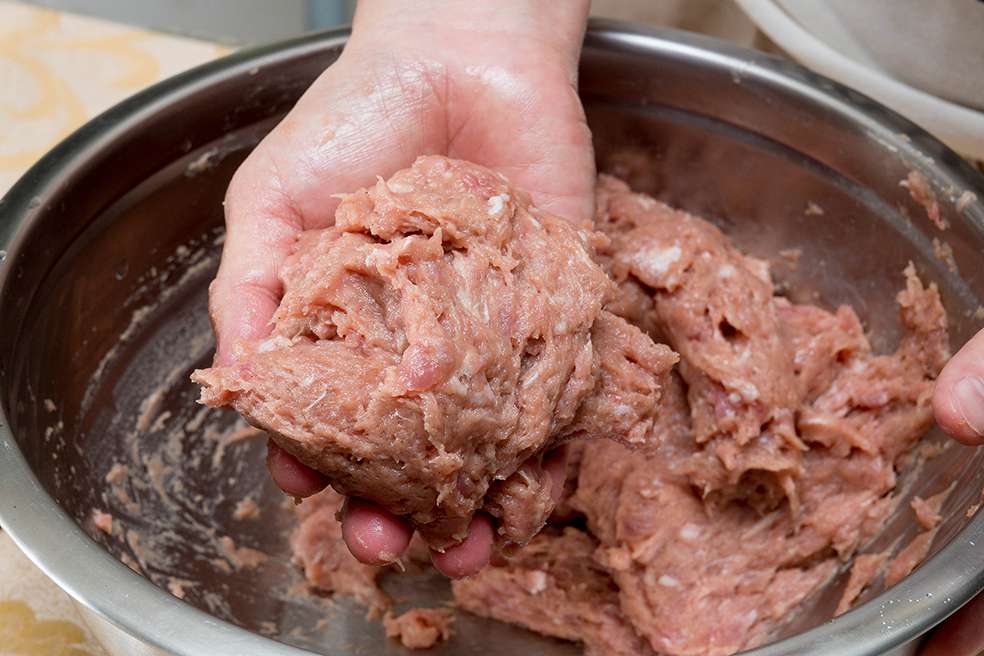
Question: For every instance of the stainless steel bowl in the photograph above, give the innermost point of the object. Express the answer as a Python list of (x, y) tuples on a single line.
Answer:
[(112, 238)]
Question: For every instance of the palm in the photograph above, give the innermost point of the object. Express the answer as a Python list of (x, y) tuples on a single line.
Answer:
[(523, 126)]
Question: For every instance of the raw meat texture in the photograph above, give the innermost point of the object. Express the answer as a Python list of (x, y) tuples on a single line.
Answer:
[(441, 335), (554, 587), (928, 510), (909, 558), (865, 569), (318, 547), (711, 578), (692, 582), (419, 628), (713, 305), (709, 537)]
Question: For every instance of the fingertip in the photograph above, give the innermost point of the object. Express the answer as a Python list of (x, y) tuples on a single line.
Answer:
[(374, 536), (958, 400), (240, 313), (290, 475), (471, 554), (949, 419)]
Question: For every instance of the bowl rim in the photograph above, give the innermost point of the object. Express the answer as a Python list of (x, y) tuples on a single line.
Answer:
[(54, 542)]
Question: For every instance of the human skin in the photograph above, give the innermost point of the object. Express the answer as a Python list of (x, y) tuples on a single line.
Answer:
[(491, 83)]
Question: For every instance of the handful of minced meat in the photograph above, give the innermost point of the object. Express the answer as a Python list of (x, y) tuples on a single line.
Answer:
[(434, 343)]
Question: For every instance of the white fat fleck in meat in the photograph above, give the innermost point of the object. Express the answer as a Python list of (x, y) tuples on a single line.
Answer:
[(623, 411), (668, 581), (316, 401), (496, 203), (532, 377), (462, 295), (561, 327), (659, 260), (456, 386), (747, 390), (537, 582), (273, 344), (726, 272), (689, 532), (734, 398), (399, 187)]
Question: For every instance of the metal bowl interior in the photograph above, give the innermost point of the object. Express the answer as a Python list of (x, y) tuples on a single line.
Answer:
[(111, 241)]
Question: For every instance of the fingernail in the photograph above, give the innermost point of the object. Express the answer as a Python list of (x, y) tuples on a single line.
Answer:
[(969, 396)]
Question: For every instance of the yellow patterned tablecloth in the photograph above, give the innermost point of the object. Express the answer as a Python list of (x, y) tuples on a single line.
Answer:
[(56, 72)]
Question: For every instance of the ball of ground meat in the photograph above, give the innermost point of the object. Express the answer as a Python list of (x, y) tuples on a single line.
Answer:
[(434, 343)]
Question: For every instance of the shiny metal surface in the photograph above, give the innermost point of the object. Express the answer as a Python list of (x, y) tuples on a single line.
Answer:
[(111, 240)]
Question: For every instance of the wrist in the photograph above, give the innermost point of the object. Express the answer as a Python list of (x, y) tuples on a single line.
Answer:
[(503, 27)]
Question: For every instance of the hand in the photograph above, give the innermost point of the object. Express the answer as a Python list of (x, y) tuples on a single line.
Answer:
[(959, 405), (494, 83)]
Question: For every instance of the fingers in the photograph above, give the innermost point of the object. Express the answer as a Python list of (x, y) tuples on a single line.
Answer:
[(290, 475), (469, 556), (260, 230), (373, 535), (961, 634), (959, 396)]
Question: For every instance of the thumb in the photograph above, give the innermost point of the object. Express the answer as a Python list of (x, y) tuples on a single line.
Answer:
[(959, 396)]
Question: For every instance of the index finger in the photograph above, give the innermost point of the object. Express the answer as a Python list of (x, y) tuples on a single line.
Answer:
[(260, 230), (959, 395)]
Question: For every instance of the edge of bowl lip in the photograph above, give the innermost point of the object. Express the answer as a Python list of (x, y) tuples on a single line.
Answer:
[(52, 544)]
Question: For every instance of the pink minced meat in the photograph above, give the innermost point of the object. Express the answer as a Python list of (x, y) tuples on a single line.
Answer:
[(865, 569), (419, 628), (684, 282), (736, 509), (441, 335), (910, 557), (553, 586), (714, 579)]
